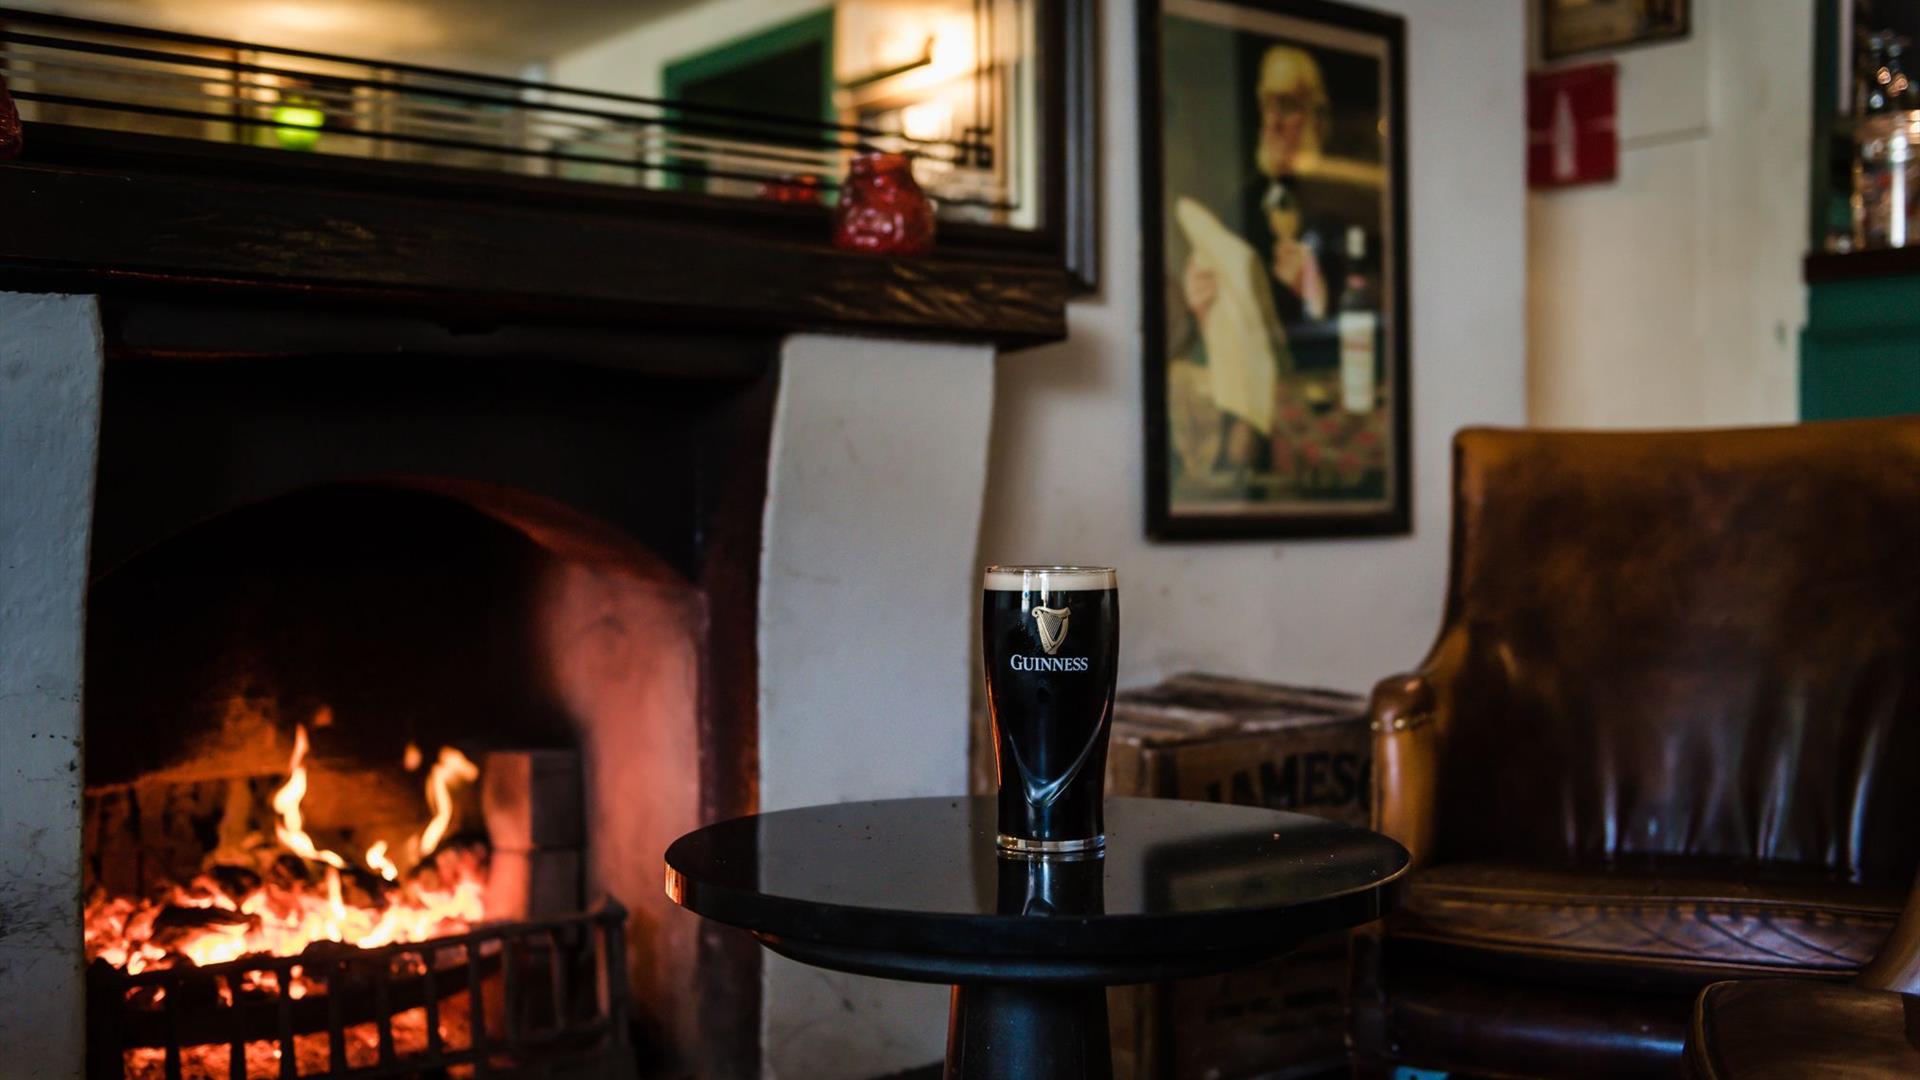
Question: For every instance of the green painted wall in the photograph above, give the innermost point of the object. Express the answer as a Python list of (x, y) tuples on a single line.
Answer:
[(784, 70), (1860, 351)]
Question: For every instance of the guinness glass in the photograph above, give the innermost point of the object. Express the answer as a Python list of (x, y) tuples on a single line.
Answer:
[(1050, 637)]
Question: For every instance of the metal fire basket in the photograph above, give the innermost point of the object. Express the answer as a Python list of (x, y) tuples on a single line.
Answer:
[(542, 998)]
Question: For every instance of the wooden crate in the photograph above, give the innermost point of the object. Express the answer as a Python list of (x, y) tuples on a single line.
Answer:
[(1217, 739)]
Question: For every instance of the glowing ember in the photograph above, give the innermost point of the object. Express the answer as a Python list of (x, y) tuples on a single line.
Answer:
[(301, 893)]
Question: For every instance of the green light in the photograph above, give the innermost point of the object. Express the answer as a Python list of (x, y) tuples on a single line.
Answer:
[(299, 126)]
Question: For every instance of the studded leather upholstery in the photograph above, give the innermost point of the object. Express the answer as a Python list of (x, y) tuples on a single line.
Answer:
[(1684, 920)]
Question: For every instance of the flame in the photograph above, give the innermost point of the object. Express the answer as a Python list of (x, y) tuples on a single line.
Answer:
[(410, 760), (336, 906), (453, 766), (274, 907), (286, 803), (377, 859)]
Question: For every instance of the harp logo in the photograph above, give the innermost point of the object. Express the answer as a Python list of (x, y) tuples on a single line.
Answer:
[(1052, 624)]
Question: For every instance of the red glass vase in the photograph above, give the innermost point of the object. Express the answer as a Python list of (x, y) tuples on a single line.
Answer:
[(882, 210), (9, 124)]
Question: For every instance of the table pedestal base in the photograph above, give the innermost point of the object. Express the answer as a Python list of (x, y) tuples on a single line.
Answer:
[(1028, 1031)]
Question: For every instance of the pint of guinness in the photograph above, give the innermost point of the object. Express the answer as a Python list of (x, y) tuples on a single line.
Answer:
[(1050, 637)]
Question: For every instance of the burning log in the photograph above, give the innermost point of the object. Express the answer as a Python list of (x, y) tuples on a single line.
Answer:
[(175, 926), (157, 830), (234, 880)]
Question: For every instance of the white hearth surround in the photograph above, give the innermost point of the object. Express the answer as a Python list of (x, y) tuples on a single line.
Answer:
[(50, 365), (874, 493), (869, 600)]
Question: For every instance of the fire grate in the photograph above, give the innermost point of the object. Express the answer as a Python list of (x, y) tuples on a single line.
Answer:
[(533, 998)]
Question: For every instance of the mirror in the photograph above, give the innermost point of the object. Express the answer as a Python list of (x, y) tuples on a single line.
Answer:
[(763, 100)]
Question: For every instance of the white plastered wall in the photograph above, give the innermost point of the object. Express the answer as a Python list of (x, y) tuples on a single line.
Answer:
[(50, 366)]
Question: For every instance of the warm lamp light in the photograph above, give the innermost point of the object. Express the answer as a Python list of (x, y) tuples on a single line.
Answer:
[(297, 127), (928, 121)]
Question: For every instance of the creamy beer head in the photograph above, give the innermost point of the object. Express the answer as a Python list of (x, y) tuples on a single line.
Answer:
[(1049, 578), (1049, 643)]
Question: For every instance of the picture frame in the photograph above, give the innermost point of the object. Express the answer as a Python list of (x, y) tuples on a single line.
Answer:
[(1573, 27), (1275, 287)]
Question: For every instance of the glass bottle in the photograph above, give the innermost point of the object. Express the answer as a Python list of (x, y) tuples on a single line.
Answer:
[(1359, 324), (1887, 171)]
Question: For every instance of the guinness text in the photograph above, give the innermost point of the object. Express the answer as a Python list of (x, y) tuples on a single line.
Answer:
[(1047, 663)]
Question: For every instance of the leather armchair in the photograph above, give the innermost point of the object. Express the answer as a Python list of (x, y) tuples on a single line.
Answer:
[(1669, 734)]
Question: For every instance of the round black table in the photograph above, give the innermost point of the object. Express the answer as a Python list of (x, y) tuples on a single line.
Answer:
[(914, 889)]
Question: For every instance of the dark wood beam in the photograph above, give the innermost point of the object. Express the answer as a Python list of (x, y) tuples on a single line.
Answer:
[(1824, 266), (84, 213)]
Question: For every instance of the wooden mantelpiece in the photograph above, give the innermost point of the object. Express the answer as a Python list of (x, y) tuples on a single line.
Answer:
[(1824, 266), (88, 211)]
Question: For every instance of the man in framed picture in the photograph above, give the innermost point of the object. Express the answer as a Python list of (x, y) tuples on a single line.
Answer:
[(1275, 189), (1283, 214)]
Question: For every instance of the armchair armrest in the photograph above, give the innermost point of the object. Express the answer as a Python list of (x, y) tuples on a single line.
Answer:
[(1897, 965), (1405, 715)]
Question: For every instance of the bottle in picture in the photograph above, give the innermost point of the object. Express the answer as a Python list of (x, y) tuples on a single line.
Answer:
[(1359, 324)]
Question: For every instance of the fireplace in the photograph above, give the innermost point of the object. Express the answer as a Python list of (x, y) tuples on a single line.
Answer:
[(403, 667), (232, 872)]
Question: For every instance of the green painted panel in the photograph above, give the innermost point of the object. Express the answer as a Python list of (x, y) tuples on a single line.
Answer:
[(1864, 303), (1858, 375), (1860, 351)]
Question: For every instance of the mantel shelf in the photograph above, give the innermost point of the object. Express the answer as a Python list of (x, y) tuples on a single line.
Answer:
[(1845, 266), (102, 212)]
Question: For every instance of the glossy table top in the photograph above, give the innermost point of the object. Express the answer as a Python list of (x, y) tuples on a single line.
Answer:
[(913, 887)]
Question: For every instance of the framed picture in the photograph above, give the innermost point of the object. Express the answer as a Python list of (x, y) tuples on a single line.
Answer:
[(1274, 187), (1568, 27)]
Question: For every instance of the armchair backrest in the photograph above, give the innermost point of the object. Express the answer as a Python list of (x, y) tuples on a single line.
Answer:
[(1699, 643)]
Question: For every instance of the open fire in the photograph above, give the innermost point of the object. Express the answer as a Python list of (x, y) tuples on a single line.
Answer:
[(266, 944), (283, 894)]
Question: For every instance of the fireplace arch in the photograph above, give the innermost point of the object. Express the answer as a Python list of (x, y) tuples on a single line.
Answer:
[(441, 549)]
